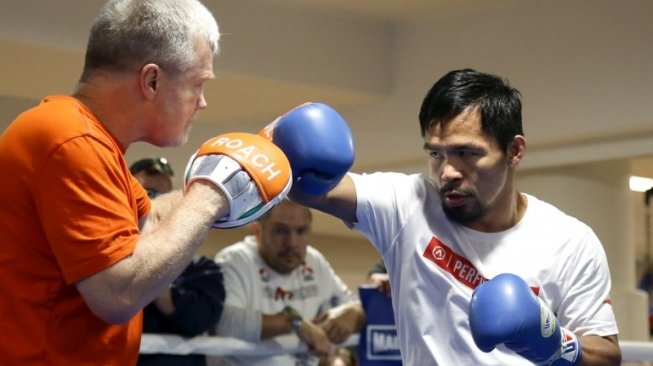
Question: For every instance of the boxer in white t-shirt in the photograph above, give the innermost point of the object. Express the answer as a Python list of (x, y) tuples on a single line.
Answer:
[(481, 274)]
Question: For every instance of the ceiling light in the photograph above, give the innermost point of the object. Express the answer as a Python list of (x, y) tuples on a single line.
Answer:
[(640, 184)]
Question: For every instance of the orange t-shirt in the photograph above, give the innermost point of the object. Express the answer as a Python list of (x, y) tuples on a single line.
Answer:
[(69, 208)]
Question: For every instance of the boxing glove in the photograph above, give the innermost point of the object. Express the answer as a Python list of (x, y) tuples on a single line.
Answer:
[(318, 144), (505, 311), (251, 171)]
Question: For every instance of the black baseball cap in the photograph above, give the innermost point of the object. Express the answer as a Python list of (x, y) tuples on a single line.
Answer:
[(152, 166)]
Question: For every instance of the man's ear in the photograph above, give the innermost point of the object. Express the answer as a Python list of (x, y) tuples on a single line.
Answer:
[(516, 150), (149, 80)]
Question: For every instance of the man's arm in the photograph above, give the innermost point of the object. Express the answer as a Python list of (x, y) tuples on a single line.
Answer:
[(600, 351), (505, 311), (339, 202), (117, 293), (240, 323), (253, 326), (221, 184), (161, 208), (341, 322), (289, 321), (320, 148)]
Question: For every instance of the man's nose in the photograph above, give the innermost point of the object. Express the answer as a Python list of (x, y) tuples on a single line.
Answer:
[(295, 239), (450, 172), (202, 104)]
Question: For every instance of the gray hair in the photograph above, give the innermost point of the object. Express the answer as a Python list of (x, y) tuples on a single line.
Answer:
[(128, 34)]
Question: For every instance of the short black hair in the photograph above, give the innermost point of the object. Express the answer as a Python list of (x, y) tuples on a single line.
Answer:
[(152, 166), (498, 103)]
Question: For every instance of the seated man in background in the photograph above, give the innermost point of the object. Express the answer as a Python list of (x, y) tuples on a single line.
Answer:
[(277, 273), (193, 303)]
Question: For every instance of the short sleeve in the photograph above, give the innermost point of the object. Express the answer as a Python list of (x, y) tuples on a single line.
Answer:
[(88, 206)]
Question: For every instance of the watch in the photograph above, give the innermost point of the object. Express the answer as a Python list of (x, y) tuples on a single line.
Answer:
[(295, 318)]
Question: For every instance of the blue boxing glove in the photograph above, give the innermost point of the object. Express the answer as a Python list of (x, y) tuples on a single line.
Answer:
[(318, 144), (505, 310)]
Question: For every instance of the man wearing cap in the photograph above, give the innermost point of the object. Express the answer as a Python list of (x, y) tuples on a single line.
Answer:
[(193, 303)]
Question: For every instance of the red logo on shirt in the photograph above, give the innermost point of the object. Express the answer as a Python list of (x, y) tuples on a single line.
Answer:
[(281, 294), (459, 267)]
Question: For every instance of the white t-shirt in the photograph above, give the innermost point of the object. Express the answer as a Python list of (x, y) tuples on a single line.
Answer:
[(435, 264), (312, 289)]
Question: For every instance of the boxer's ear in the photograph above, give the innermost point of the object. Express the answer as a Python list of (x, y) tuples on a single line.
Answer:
[(516, 151)]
